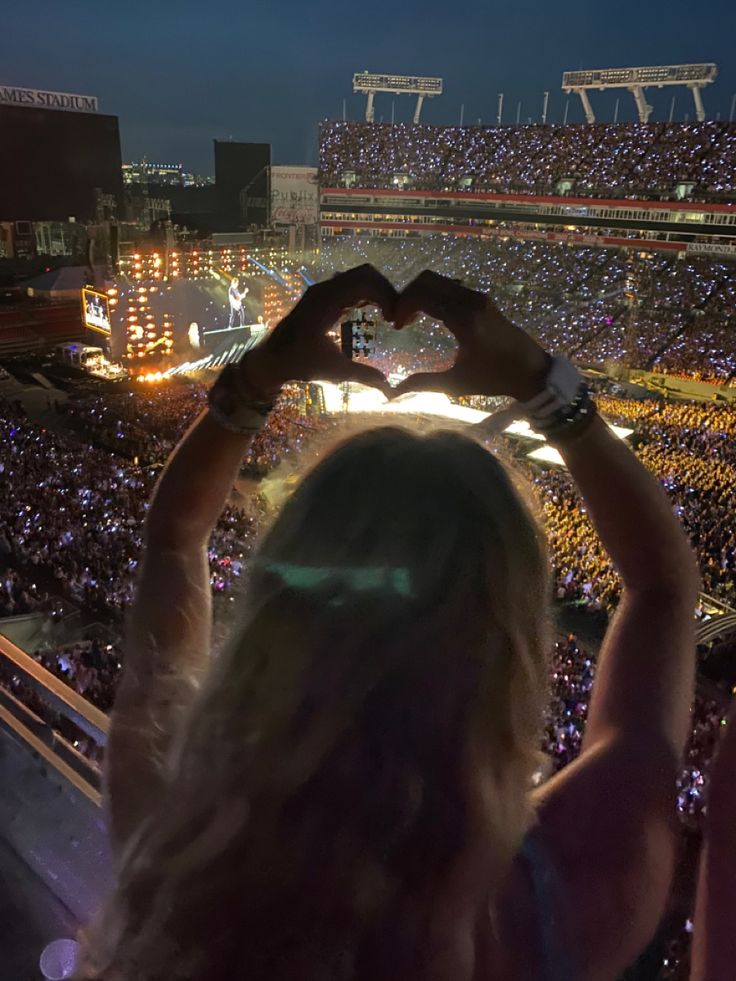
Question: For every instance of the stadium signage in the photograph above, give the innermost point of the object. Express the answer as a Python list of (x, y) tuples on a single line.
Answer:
[(710, 248), (41, 99), (294, 195)]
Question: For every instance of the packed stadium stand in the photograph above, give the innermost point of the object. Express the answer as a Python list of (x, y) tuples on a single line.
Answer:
[(600, 160), (660, 296)]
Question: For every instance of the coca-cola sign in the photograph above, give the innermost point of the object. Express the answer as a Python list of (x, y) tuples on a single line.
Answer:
[(294, 196)]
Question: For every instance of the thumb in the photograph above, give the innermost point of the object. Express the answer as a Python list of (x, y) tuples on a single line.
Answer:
[(427, 381)]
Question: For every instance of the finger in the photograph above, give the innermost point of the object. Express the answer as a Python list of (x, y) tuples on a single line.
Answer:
[(439, 297), (428, 381), (372, 377), (324, 302), (342, 370)]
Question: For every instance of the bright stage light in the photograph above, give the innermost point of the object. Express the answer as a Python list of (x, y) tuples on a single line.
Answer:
[(369, 400), (547, 454), (362, 399)]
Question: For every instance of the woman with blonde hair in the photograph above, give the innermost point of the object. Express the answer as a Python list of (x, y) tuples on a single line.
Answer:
[(345, 792)]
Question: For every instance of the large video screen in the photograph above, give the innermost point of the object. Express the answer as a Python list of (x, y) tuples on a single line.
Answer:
[(96, 312)]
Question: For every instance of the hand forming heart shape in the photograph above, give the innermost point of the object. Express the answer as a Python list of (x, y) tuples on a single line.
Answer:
[(494, 356)]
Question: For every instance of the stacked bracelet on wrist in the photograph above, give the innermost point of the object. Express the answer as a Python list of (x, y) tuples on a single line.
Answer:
[(569, 420), (233, 407), (564, 407)]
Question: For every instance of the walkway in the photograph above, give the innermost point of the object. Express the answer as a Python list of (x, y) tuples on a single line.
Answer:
[(30, 918)]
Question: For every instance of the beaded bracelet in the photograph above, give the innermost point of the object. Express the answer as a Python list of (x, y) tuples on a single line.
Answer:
[(571, 420)]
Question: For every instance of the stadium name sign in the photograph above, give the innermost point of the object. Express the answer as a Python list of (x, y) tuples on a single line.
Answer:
[(40, 99)]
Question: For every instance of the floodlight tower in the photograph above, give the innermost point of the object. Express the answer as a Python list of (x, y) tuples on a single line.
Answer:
[(637, 80), (422, 87)]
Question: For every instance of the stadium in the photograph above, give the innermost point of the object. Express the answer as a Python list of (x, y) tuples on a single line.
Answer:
[(611, 244)]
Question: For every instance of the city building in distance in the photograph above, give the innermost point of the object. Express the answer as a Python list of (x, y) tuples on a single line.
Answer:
[(163, 175)]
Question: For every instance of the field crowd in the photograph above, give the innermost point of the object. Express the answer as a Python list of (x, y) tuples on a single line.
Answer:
[(596, 305), (74, 494)]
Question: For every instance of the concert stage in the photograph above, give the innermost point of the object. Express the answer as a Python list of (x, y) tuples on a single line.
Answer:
[(221, 347)]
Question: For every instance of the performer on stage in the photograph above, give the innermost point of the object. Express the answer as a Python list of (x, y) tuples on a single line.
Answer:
[(196, 336), (236, 297)]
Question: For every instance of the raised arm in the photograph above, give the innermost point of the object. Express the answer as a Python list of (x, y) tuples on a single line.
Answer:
[(644, 682), (645, 676), (608, 819), (169, 626)]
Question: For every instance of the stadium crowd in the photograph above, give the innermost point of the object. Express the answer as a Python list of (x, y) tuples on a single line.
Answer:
[(122, 423), (74, 513), (17, 595), (71, 512), (146, 426), (596, 305), (602, 160), (572, 673), (80, 523), (696, 463), (89, 667), (691, 448)]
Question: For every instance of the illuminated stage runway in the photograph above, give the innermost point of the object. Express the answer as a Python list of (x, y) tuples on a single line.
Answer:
[(230, 344)]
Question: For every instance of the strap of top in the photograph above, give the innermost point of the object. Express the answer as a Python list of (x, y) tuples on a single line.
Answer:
[(549, 893)]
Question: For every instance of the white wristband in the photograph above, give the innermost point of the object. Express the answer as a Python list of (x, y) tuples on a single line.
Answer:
[(561, 388)]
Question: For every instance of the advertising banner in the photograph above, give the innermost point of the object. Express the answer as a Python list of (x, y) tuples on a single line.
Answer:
[(294, 196), (711, 248)]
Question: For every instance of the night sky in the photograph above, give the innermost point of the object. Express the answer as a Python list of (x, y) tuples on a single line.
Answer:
[(179, 74)]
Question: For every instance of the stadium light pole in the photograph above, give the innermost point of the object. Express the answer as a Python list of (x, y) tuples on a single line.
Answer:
[(733, 108), (567, 107), (500, 108), (615, 111), (344, 114), (637, 81), (462, 112), (518, 113), (422, 87), (545, 104), (672, 109)]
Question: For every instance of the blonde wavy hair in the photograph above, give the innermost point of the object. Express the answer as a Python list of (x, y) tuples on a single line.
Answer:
[(360, 754)]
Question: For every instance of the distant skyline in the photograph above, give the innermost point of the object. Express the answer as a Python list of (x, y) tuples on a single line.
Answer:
[(180, 74)]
